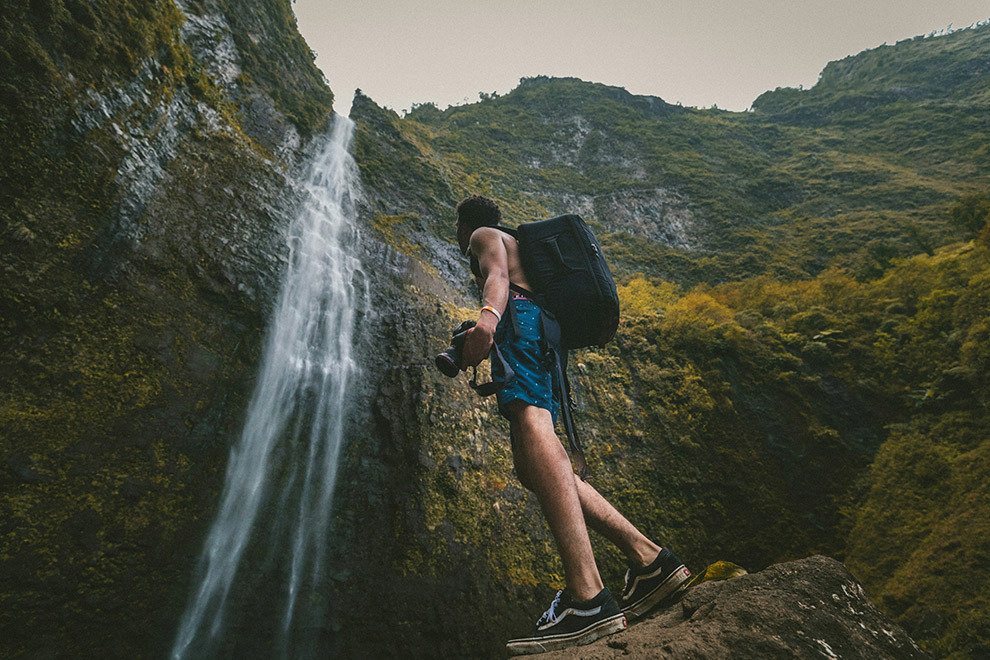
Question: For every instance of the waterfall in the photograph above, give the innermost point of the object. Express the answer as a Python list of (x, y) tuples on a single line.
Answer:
[(285, 463)]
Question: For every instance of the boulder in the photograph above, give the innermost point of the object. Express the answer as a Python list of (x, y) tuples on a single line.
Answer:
[(811, 608)]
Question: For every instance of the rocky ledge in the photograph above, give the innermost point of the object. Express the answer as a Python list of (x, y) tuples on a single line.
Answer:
[(811, 608)]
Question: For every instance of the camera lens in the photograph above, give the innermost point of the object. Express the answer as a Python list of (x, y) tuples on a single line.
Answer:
[(446, 364)]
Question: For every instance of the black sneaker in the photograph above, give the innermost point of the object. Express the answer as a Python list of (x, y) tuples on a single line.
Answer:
[(648, 587), (570, 623)]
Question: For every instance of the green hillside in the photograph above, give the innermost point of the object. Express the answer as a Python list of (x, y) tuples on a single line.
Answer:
[(801, 364), (855, 171)]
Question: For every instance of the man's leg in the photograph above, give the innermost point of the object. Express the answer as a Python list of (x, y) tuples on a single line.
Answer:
[(602, 517), (544, 468), (654, 574)]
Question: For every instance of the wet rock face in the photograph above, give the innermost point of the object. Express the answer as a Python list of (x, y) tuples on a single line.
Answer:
[(147, 205), (811, 608)]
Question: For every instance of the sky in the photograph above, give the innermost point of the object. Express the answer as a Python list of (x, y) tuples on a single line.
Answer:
[(697, 52)]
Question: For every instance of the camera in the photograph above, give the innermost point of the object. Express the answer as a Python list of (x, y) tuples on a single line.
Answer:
[(449, 361)]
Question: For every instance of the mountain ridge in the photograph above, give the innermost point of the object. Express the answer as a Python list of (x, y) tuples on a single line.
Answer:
[(766, 192)]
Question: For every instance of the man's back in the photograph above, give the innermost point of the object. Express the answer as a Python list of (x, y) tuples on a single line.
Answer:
[(513, 262)]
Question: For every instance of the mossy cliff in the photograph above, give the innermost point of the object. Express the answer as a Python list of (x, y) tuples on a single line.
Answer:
[(145, 171)]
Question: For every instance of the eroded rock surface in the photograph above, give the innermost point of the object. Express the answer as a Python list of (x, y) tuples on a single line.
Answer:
[(811, 608)]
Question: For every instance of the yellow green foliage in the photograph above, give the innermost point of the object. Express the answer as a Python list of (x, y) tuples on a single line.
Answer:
[(720, 570), (918, 337), (641, 296), (972, 212), (276, 58), (389, 229)]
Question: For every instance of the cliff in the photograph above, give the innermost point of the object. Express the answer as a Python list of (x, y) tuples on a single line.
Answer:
[(147, 165)]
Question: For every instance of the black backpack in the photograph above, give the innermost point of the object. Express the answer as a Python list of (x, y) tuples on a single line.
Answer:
[(564, 262)]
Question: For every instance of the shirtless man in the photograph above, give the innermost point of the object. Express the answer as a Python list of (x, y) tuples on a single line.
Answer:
[(585, 610)]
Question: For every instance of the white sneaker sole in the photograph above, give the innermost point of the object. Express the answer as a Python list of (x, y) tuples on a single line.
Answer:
[(662, 591), (603, 628)]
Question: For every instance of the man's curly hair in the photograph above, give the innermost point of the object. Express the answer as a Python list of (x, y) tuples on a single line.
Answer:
[(477, 211)]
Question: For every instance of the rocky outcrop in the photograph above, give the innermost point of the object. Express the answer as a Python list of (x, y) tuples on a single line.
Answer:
[(812, 608)]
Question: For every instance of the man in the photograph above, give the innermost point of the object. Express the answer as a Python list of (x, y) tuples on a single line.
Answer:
[(585, 610)]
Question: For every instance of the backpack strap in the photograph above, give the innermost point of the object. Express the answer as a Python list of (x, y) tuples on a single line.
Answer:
[(502, 374), (550, 331)]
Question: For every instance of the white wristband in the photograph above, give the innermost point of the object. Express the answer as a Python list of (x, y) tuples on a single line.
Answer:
[(494, 311)]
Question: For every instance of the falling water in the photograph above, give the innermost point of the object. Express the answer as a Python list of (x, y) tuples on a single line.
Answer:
[(286, 458)]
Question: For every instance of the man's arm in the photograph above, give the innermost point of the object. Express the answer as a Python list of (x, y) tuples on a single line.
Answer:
[(487, 246)]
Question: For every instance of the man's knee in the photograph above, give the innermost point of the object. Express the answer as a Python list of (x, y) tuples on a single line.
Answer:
[(524, 428)]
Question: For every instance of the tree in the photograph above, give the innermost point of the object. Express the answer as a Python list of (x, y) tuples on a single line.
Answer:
[(972, 212)]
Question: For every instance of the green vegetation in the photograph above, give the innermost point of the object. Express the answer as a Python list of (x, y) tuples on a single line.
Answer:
[(943, 70), (44, 40), (276, 58), (800, 369), (972, 213), (914, 347), (764, 192)]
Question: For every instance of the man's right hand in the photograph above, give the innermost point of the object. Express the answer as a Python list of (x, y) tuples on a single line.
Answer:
[(477, 343)]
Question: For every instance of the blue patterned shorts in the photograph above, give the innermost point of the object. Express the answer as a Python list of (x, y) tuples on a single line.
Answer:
[(536, 380)]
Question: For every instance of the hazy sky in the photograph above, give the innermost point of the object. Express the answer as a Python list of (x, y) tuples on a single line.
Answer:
[(698, 52)]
